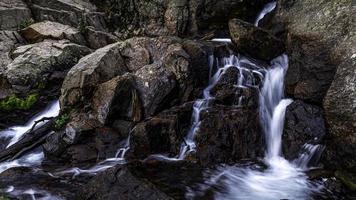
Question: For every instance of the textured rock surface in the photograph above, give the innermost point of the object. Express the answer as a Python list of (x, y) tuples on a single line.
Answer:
[(52, 30), (255, 41), (14, 14), (304, 123), (119, 183), (34, 63), (9, 40)]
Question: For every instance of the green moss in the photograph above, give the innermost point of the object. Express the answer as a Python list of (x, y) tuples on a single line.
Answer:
[(26, 23), (15, 103), (61, 121), (347, 179)]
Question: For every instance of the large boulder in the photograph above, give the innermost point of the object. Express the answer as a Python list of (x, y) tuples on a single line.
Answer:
[(304, 124), (316, 34), (255, 41), (14, 14), (33, 64), (52, 30), (228, 134), (96, 68), (321, 47)]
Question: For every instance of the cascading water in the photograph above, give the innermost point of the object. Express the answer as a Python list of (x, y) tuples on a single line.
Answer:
[(14, 134), (267, 9), (281, 179)]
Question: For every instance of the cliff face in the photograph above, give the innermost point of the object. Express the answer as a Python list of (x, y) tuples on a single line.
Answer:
[(130, 71)]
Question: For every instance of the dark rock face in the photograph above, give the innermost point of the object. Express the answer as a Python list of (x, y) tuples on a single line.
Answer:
[(304, 123), (227, 135), (255, 41), (162, 134), (120, 183), (322, 66)]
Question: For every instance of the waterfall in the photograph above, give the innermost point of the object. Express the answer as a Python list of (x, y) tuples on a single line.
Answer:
[(267, 9), (15, 133)]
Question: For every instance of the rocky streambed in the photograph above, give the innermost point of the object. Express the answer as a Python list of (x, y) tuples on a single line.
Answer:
[(177, 99)]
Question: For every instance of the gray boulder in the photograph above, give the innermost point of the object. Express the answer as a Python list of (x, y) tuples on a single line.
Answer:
[(14, 14), (52, 30), (33, 63)]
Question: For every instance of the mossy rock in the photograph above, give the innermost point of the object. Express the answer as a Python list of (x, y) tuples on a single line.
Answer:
[(15, 103), (348, 179)]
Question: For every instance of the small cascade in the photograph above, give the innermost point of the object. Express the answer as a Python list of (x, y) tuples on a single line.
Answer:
[(33, 159), (246, 79), (101, 166), (267, 9), (15, 133), (34, 194)]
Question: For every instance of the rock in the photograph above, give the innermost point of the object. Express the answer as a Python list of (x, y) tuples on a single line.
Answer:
[(9, 40), (175, 17), (304, 124), (52, 30), (228, 134), (69, 12), (82, 147), (162, 134), (156, 87), (14, 14), (321, 47), (117, 99), (255, 41), (98, 39), (22, 179), (33, 64), (96, 68), (315, 34), (120, 182)]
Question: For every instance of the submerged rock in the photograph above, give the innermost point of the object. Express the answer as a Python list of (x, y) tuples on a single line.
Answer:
[(255, 41)]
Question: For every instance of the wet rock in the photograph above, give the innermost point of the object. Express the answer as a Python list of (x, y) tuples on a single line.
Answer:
[(43, 185), (98, 67), (255, 41), (52, 30), (227, 92), (98, 39), (120, 182), (117, 99), (228, 134), (304, 123), (162, 134), (14, 14), (82, 147), (34, 63), (320, 43)]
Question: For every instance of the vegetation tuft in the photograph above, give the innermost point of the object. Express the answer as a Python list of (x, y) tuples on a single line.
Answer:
[(15, 103)]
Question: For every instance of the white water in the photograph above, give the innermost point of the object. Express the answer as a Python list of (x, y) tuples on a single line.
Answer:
[(228, 40), (29, 160), (282, 179), (15, 133), (267, 9), (34, 194), (102, 166)]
